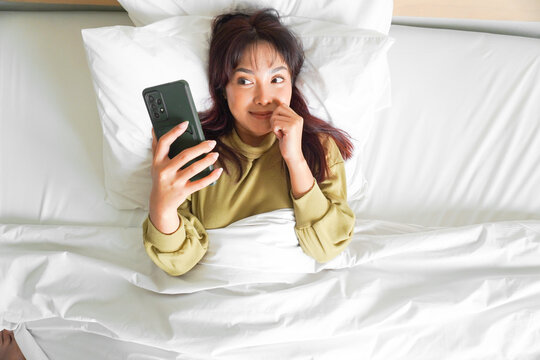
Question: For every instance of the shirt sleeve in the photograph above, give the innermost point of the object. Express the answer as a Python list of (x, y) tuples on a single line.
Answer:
[(180, 251), (324, 220)]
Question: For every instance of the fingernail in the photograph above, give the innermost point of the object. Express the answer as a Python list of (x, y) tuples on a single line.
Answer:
[(184, 124), (212, 143)]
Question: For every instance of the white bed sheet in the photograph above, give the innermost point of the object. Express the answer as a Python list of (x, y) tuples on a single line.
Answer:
[(397, 292)]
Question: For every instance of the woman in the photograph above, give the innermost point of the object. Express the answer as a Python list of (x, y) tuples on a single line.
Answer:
[(273, 153)]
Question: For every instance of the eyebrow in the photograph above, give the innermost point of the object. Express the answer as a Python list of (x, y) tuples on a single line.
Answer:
[(275, 70)]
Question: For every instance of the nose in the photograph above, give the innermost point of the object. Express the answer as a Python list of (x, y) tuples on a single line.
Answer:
[(263, 95)]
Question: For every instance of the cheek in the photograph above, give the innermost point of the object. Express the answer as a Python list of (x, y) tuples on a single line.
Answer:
[(228, 94), (285, 95), (232, 99), (235, 103)]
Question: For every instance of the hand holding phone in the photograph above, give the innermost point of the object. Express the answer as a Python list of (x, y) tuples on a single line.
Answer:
[(171, 185), (169, 105), (179, 166)]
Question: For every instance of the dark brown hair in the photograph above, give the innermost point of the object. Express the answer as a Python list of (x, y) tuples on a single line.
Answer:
[(232, 34)]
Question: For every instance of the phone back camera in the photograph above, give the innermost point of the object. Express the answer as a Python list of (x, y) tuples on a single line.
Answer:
[(155, 105)]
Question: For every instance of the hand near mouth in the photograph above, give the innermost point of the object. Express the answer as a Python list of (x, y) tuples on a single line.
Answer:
[(288, 126)]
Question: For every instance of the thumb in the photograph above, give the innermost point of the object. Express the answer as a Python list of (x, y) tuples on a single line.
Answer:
[(154, 141)]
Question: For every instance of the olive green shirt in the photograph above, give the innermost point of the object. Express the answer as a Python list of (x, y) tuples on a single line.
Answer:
[(324, 220)]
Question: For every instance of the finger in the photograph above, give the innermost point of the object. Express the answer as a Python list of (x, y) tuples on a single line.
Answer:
[(5, 337), (280, 103), (276, 123), (282, 119), (280, 108), (279, 119), (287, 123), (198, 166), (283, 124), (154, 141), (2, 337), (164, 142), (197, 185), (285, 110), (191, 153)]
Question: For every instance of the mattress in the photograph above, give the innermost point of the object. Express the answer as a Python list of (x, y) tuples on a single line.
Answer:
[(50, 134), (443, 261), (460, 143)]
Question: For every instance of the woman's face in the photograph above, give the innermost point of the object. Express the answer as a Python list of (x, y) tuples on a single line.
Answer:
[(258, 83)]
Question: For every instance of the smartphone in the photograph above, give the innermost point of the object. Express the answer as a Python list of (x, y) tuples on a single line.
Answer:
[(169, 105)]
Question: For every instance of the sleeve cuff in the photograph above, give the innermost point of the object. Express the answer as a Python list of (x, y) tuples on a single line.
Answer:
[(164, 242), (311, 207)]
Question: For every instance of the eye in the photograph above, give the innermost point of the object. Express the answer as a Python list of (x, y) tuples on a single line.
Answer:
[(278, 80), (244, 81)]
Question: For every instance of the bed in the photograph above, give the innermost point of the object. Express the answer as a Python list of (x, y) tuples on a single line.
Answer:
[(445, 256)]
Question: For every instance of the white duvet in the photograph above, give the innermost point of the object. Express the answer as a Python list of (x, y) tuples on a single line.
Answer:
[(398, 291)]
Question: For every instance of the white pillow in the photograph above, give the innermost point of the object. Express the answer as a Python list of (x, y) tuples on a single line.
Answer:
[(368, 14), (344, 80)]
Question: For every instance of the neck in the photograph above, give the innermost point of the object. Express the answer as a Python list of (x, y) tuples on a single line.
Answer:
[(248, 138)]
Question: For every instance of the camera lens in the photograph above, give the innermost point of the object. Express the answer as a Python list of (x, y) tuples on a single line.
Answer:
[(159, 101), (154, 107), (151, 98), (156, 115)]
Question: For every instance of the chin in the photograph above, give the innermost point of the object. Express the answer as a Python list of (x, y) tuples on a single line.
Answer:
[(265, 132), (256, 129), (260, 130)]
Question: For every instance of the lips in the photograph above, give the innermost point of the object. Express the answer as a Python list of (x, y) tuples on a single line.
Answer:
[(261, 114)]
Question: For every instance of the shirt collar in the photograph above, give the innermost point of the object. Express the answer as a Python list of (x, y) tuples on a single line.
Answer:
[(252, 152)]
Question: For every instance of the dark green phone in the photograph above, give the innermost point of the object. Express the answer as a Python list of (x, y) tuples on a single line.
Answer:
[(169, 105)]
